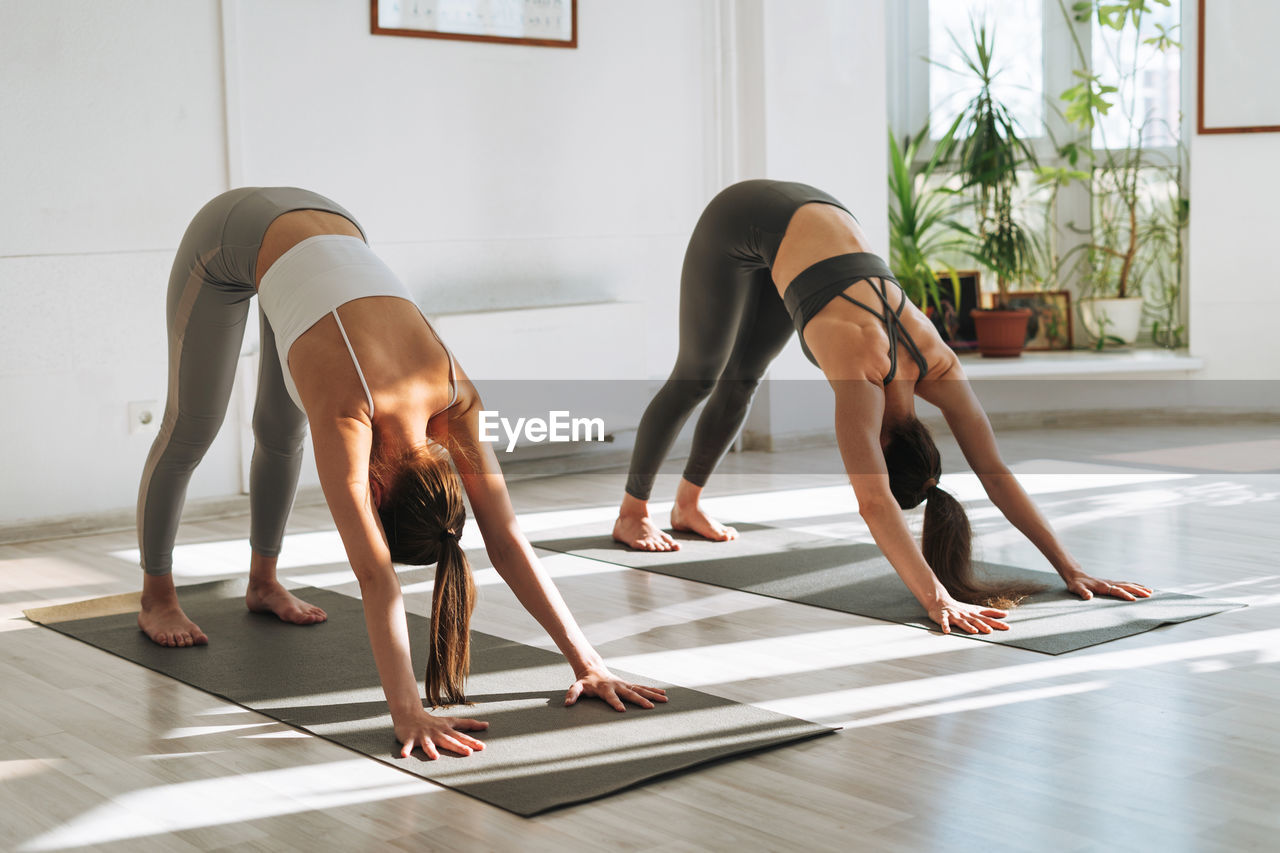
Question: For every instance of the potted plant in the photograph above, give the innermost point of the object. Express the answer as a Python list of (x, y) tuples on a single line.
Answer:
[(921, 228), (990, 151), (1133, 236)]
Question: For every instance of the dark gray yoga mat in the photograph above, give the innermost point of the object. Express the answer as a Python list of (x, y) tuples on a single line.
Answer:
[(856, 578), (539, 755)]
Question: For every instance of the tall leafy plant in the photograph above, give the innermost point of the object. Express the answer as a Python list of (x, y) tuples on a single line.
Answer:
[(922, 231), (990, 151), (1132, 235)]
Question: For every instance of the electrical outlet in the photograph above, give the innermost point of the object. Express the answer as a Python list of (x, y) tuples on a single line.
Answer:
[(144, 417)]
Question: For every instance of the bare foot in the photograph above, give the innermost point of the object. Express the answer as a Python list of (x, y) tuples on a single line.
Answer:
[(640, 533), (694, 520), (273, 598), (167, 625)]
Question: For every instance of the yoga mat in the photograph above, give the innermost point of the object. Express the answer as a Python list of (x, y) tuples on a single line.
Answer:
[(539, 755), (856, 578)]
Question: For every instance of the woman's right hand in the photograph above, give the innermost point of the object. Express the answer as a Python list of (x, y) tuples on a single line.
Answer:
[(973, 618), (434, 733)]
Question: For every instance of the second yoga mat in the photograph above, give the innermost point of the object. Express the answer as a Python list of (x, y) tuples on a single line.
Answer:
[(856, 578), (539, 755)]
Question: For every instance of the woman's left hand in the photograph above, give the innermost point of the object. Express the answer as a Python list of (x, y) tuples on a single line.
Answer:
[(603, 685), (1087, 587)]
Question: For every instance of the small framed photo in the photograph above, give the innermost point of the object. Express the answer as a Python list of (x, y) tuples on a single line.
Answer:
[(959, 297), (1050, 323), (542, 23)]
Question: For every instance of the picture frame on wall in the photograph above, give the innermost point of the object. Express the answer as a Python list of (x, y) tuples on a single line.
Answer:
[(540, 23), (1050, 325), (1237, 75), (959, 297)]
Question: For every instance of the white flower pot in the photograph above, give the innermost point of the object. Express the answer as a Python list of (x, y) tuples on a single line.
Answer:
[(1114, 318)]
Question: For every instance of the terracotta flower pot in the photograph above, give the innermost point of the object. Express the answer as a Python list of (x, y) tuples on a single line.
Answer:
[(1001, 333)]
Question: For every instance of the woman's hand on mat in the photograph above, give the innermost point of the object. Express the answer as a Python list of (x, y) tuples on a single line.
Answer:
[(434, 733), (612, 691), (971, 618), (1087, 586)]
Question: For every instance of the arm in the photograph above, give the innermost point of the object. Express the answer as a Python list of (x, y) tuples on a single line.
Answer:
[(859, 411), (951, 393), (514, 559), (853, 364), (342, 461)]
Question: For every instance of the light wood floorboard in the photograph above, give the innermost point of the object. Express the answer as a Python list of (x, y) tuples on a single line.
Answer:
[(1166, 741)]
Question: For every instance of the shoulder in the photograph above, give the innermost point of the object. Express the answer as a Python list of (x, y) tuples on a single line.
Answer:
[(944, 364)]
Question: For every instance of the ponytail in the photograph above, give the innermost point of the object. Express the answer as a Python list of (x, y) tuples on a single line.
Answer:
[(422, 514), (914, 466), (453, 599)]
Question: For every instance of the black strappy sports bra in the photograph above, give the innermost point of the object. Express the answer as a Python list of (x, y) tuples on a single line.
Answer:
[(816, 286)]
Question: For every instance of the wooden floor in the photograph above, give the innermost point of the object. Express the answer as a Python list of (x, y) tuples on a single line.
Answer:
[(1165, 741)]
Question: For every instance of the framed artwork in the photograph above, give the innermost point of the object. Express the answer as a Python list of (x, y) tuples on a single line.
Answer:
[(1050, 323), (955, 321), (1237, 75), (544, 23)]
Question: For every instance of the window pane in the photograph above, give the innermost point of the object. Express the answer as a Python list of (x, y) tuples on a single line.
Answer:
[(1150, 97), (1017, 60)]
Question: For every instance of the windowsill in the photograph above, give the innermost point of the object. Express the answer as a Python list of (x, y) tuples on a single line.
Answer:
[(1039, 365)]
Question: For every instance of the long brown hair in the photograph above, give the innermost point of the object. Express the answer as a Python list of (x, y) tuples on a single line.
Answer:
[(915, 466), (422, 514)]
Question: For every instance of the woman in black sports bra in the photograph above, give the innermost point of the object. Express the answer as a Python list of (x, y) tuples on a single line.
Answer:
[(767, 257)]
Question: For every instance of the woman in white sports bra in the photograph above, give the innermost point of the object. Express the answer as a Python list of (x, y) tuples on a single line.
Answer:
[(345, 349)]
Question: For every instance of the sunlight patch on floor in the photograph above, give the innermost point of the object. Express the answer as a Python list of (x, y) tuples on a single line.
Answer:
[(230, 800), (679, 613), (201, 731), (974, 703), (840, 704), (324, 548), (18, 768), (792, 654)]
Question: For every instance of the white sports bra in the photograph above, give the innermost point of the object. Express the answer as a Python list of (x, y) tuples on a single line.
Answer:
[(315, 278)]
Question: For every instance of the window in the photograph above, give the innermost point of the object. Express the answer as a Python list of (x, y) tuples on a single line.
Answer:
[(1018, 59), (1039, 47), (1036, 52), (1150, 102)]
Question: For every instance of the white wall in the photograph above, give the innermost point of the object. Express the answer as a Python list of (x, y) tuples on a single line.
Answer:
[(1232, 297), (111, 136), (488, 175), (824, 122)]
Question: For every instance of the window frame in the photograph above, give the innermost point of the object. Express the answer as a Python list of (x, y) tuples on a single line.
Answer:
[(907, 28)]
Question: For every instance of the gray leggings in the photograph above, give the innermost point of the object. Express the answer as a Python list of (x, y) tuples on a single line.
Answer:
[(208, 304), (733, 324)]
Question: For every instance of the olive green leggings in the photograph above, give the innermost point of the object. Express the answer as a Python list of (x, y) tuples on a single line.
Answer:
[(210, 288)]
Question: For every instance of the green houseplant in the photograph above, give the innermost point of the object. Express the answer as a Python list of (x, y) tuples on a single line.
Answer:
[(990, 152), (922, 233), (1133, 243)]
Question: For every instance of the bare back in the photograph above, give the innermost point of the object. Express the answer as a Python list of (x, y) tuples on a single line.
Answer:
[(404, 363), (821, 231)]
